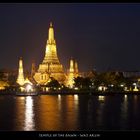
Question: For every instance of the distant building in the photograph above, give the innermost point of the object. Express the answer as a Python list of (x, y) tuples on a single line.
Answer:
[(5, 74), (89, 74), (130, 74), (5, 78)]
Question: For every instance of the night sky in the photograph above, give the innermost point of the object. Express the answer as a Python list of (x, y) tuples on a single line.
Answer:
[(99, 36)]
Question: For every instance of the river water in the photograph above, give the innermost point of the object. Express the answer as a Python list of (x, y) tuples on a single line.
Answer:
[(69, 112)]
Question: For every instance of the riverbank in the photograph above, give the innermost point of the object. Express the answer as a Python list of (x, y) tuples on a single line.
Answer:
[(88, 93), (77, 92)]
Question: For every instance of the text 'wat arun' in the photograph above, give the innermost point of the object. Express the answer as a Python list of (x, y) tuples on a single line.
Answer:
[(51, 66)]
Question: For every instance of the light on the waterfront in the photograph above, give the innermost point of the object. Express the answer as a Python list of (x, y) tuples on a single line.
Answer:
[(134, 84), (47, 89), (102, 88), (29, 88), (101, 98), (135, 88), (126, 89), (76, 88), (122, 85)]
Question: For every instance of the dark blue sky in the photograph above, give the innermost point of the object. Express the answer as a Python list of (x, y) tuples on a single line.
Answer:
[(99, 36)]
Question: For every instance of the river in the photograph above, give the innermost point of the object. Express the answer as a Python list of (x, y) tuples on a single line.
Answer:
[(69, 112)]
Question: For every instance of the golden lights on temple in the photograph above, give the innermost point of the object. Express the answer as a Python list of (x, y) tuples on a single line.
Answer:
[(50, 66), (73, 73), (20, 79), (25, 84)]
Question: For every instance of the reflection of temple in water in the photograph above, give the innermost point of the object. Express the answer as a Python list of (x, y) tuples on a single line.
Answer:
[(20, 113), (124, 112), (29, 114), (65, 116), (100, 111), (24, 114), (95, 111)]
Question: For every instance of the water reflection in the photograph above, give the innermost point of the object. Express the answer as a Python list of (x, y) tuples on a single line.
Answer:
[(76, 101), (19, 113), (100, 110), (71, 116), (124, 112), (59, 97), (48, 113), (24, 115), (90, 105), (135, 104), (59, 101), (29, 114), (90, 113), (70, 112), (125, 98)]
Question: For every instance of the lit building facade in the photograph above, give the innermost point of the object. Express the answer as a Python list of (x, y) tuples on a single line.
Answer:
[(51, 66)]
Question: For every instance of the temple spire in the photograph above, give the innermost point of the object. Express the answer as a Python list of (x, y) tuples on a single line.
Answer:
[(51, 50), (71, 65), (51, 66), (50, 24), (76, 67), (33, 69), (20, 79), (51, 33)]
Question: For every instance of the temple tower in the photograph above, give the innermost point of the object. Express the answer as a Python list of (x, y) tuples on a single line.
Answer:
[(76, 69), (51, 51), (71, 66), (32, 69), (73, 73), (51, 66), (20, 78)]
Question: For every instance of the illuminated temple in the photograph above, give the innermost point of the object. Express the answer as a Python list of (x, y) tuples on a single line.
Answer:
[(20, 78), (51, 66), (72, 73)]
